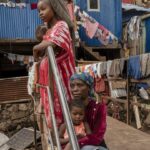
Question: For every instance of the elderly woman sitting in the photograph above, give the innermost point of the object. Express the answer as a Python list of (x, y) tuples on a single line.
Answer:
[(95, 113)]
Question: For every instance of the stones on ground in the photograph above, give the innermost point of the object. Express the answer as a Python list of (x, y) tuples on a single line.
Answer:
[(3, 140)]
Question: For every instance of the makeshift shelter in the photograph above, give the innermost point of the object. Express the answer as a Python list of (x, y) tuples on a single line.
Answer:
[(18, 22), (107, 13), (136, 19)]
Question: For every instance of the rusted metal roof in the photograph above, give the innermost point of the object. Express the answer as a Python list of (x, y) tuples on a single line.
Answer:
[(13, 89)]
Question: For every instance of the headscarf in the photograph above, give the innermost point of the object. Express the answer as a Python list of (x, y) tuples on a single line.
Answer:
[(87, 79)]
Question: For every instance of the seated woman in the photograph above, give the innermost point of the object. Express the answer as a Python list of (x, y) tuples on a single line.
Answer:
[(95, 113)]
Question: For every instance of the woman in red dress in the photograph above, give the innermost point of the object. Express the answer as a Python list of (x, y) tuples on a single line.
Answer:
[(54, 13)]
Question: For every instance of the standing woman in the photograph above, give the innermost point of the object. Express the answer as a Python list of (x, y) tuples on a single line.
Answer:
[(55, 15)]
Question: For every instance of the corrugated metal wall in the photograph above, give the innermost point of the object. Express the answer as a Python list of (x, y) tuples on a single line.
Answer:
[(13, 89), (110, 16), (18, 23), (147, 24)]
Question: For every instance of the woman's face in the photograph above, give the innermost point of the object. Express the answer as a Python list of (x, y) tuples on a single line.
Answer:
[(45, 11), (79, 89)]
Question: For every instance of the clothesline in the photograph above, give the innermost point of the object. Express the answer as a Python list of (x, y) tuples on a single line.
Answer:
[(17, 57), (120, 59), (2, 52), (135, 66)]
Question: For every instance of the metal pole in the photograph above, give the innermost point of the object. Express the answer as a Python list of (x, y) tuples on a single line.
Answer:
[(53, 118), (63, 100), (52, 114), (49, 134)]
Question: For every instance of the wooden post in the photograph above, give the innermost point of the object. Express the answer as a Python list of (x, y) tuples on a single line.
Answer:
[(128, 97), (136, 112)]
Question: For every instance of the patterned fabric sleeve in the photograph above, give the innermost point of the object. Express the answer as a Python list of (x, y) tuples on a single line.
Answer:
[(60, 35)]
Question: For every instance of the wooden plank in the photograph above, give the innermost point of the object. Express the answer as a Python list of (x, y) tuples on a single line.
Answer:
[(137, 115), (89, 50), (17, 41), (16, 101), (120, 136), (140, 81), (124, 101)]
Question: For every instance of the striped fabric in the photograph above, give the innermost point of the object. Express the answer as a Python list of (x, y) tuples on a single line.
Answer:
[(60, 36)]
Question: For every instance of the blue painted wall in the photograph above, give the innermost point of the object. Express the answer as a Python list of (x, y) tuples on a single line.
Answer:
[(110, 16), (18, 23), (147, 25)]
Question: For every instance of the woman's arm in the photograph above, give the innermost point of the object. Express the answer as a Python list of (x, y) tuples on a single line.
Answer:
[(87, 128), (39, 49), (97, 135), (62, 130)]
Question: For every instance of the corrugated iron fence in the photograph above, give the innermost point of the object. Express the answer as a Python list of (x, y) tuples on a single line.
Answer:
[(18, 22), (13, 89)]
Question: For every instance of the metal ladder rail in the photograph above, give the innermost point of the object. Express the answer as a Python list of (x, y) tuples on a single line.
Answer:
[(63, 100), (52, 114)]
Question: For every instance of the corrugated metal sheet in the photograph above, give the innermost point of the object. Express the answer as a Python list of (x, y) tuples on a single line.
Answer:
[(110, 16), (13, 89), (18, 23), (147, 24)]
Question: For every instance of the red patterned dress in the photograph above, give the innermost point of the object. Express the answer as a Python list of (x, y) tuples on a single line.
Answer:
[(59, 35)]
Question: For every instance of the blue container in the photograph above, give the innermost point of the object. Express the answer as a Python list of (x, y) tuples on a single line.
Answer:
[(109, 15), (18, 22)]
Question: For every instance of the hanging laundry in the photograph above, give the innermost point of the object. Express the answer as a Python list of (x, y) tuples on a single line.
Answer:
[(134, 67), (101, 69), (33, 6), (21, 5), (133, 27), (143, 60), (122, 66), (99, 85), (101, 33), (115, 68), (108, 67), (31, 59), (23, 59), (12, 4), (12, 57), (20, 58), (91, 28)]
